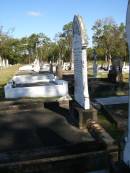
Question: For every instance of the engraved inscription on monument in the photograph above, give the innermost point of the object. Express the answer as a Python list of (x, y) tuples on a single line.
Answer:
[(80, 62)]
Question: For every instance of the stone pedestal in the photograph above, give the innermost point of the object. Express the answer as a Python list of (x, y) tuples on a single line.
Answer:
[(80, 115)]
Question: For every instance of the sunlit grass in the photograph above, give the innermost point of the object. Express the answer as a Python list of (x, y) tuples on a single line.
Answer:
[(5, 76)]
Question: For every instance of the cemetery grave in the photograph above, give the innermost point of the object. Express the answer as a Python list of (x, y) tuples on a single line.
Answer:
[(40, 132), (58, 88), (48, 127), (34, 85)]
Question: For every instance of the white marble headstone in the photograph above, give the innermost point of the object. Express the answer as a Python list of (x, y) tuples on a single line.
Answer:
[(126, 153), (79, 46), (36, 65), (0, 61), (3, 63), (6, 62)]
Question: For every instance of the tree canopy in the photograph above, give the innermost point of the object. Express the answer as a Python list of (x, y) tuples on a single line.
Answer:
[(109, 39)]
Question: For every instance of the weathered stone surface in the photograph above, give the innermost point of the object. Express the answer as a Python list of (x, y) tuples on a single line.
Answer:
[(26, 79), (115, 73), (80, 62), (81, 116), (99, 133), (58, 88)]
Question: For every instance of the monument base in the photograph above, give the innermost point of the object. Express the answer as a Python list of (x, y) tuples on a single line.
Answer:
[(80, 115)]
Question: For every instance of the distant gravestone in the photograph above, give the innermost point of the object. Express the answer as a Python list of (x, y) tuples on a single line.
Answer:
[(3, 63), (115, 72), (6, 63), (36, 67), (0, 62), (126, 153), (79, 46)]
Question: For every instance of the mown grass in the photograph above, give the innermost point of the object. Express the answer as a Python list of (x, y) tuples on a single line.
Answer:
[(5, 76)]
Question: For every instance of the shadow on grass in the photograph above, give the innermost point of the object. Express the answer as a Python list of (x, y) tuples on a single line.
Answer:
[(111, 128), (104, 88)]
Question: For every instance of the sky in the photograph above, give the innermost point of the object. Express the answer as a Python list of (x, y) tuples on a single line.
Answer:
[(49, 16)]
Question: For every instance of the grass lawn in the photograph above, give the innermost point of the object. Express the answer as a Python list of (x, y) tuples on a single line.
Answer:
[(5, 75)]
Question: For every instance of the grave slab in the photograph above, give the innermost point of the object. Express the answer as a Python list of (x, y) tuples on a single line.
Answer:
[(112, 100), (58, 88)]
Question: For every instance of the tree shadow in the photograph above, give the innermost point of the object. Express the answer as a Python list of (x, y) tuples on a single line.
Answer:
[(70, 79), (22, 130), (54, 106), (2, 95), (104, 88)]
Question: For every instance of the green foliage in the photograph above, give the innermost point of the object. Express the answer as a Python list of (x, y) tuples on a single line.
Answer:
[(24, 50), (109, 38), (64, 41), (90, 53)]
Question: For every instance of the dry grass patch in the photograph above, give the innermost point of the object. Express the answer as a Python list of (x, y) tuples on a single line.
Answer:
[(5, 76)]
